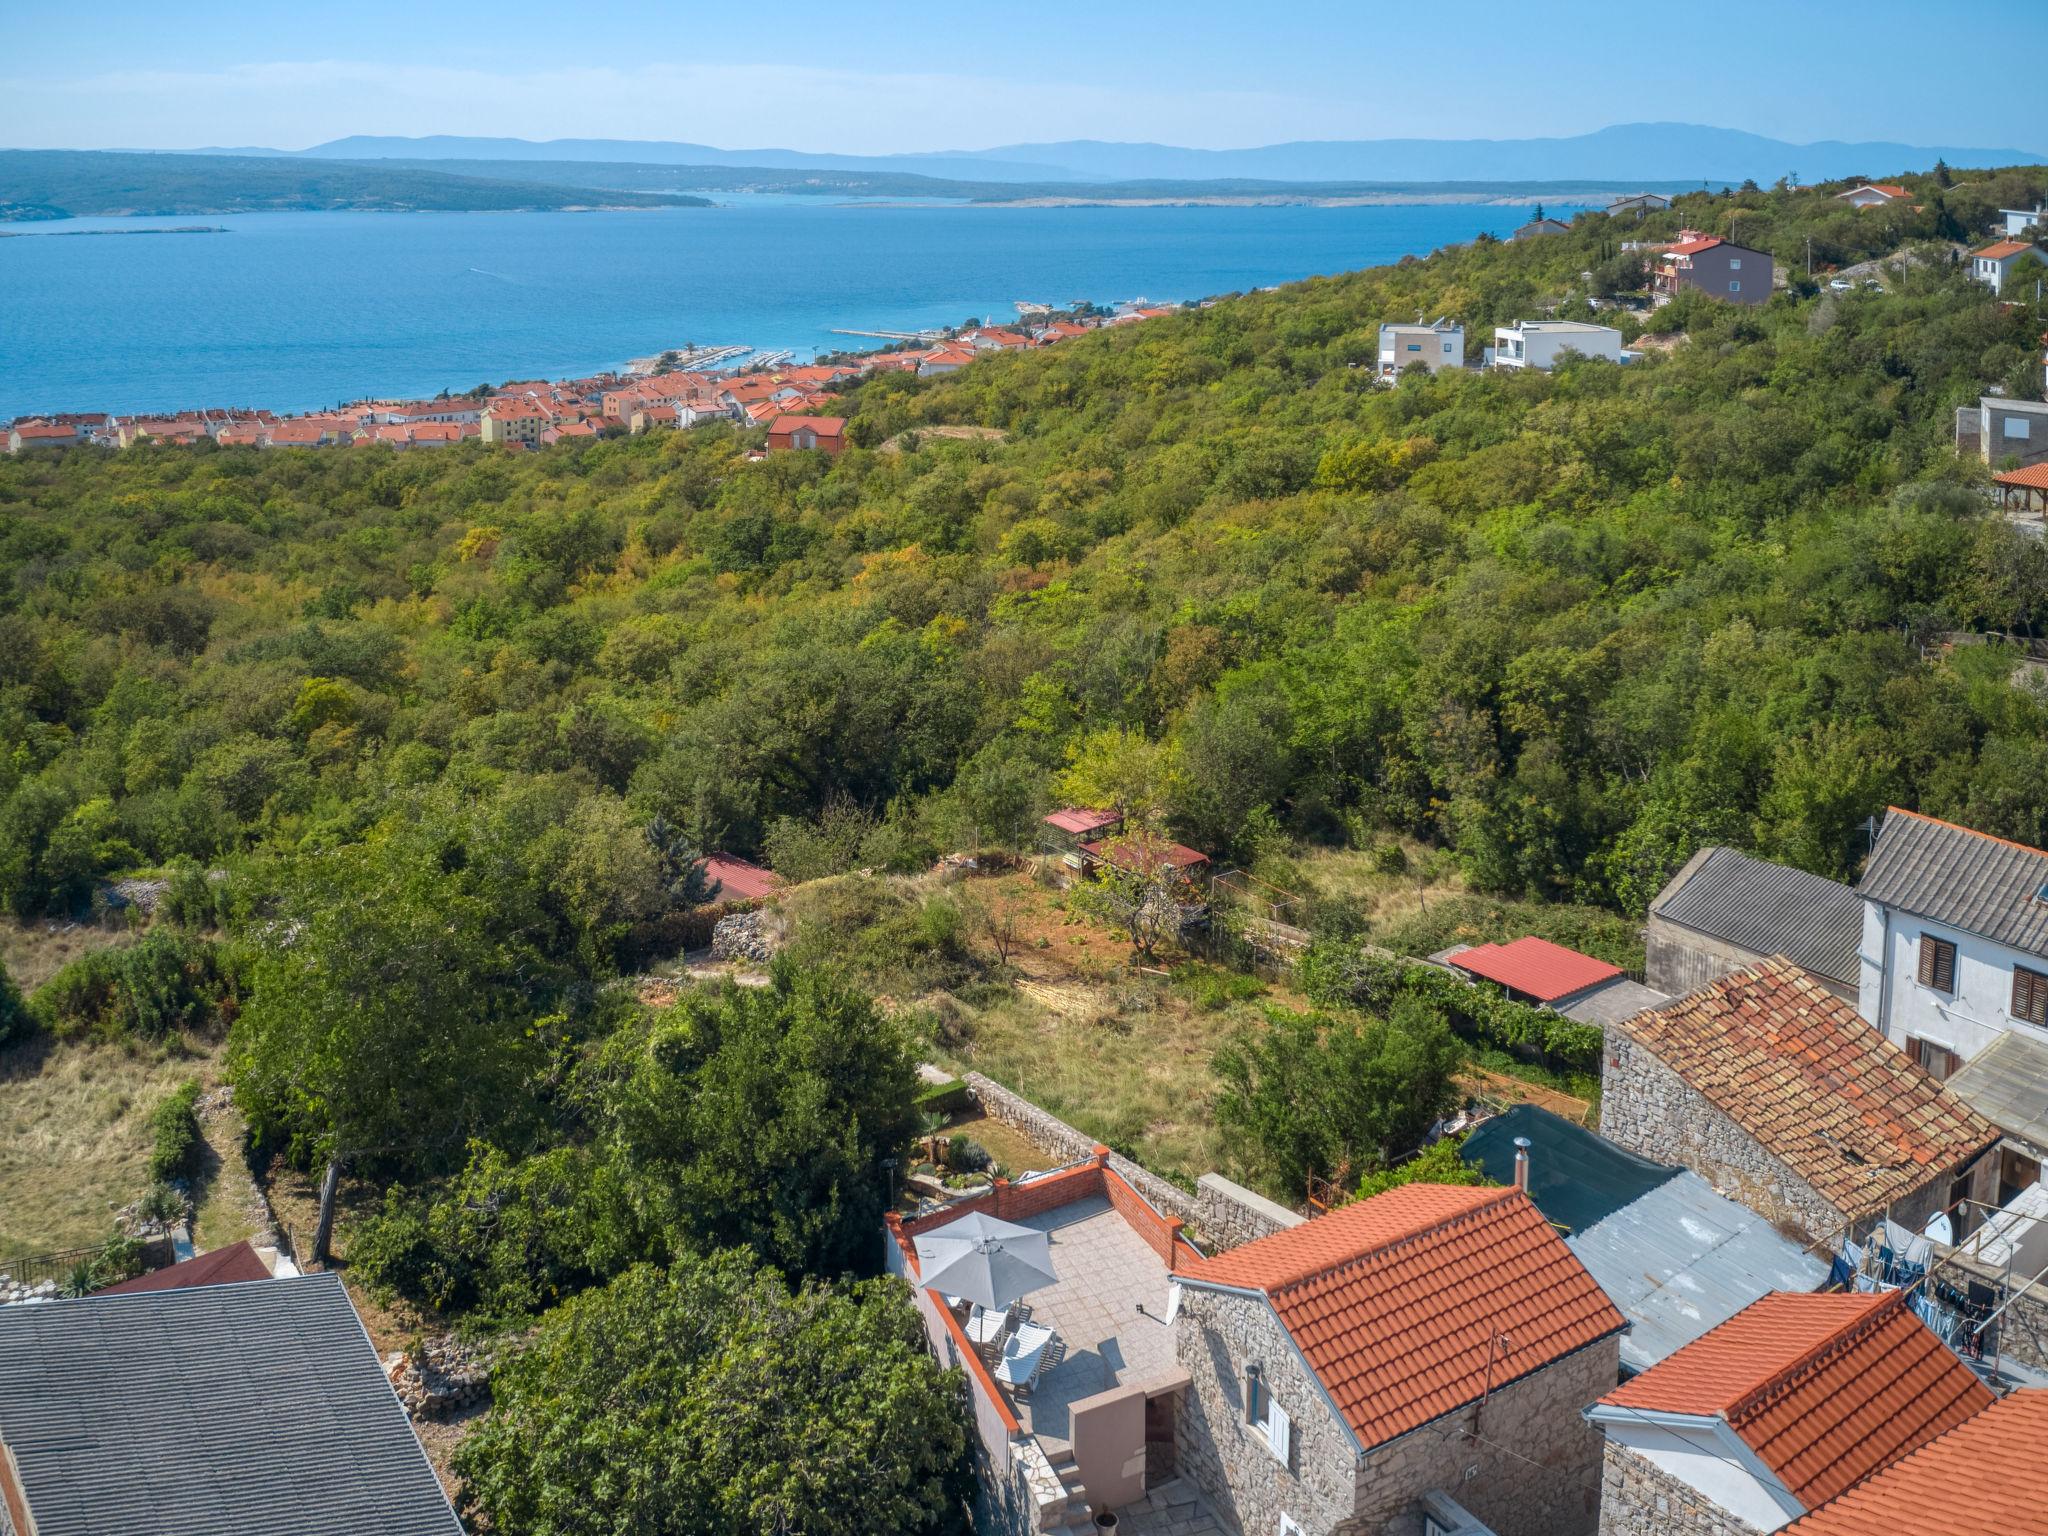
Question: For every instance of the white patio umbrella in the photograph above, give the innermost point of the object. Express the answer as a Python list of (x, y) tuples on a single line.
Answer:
[(985, 1260)]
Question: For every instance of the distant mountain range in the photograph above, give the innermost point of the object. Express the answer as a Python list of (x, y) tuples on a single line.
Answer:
[(1648, 152)]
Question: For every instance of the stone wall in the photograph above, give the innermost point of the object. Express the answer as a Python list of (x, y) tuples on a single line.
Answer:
[(1639, 1498), (1071, 1146), (1651, 1110), (1525, 1462), (1231, 1215), (1217, 1335), (1531, 1469)]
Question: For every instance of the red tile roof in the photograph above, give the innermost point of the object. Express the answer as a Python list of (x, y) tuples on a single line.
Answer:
[(1398, 1302), (223, 1266), (1694, 247), (1080, 822), (1805, 1077), (824, 426), (739, 880), (1826, 1389), (2001, 249), (1985, 1475), (1537, 967), (2033, 477)]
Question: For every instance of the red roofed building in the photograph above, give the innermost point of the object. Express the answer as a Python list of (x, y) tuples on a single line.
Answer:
[(737, 880), (514, 421), (1716, 267), (1993, 265), (1987, 1474), (39, 434), (1147, 853), (1535, 970), (1872, 195), (827, 434), (223, 1266), (1775, 1090), (1788, 1404), (1425, 1345)]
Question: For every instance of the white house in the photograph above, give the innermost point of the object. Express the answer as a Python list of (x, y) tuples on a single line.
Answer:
[(1438, 345), (1955, 940), (2018, 221), (1873, 195), (1543, 344), (1639, 204), (1995, 262)]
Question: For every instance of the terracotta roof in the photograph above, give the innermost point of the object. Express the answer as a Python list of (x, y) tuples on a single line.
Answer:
[(824, 426), (1819, 1089), (2033, 477), (1534, 966), (1079, 821), (1397, 1302), (2000, 250), (1825, 1388), (237, 1261), (1694, 247), (1985, 1475)]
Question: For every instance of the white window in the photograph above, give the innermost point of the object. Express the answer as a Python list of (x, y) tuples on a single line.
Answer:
[(1447, 346), (1734, 263), (1735, 287), (2018, 426), (1267, 1416)]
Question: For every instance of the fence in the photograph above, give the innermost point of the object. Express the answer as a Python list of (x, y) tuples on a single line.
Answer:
[(29, 1270)]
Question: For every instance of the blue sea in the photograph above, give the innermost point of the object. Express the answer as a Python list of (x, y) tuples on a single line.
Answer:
[(300, 311)]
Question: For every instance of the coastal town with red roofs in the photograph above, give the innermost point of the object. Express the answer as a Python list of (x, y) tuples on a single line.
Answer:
[(668, 391)]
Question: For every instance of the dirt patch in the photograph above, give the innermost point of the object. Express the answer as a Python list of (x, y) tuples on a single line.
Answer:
[(959, 434), (34, 952), (1513, 1090)]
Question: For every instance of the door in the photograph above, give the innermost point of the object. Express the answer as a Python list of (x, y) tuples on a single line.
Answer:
[(1159, 1416)]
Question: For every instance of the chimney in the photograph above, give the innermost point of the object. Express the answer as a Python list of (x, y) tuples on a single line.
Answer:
[(1522, 1163)]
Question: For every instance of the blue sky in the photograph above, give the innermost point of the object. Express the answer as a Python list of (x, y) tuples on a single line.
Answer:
[(875, 78)]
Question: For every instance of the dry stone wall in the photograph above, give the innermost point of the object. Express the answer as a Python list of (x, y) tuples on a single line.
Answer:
[(1639, 1498), (1069, 1146), (1231, 1215)]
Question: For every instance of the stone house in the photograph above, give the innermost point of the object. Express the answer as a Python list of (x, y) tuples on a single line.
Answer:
[(1789, 1404), (1724, 910), (1410, 1358), (1777, 1092)]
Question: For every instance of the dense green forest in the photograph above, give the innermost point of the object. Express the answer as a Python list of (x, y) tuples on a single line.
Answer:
[(67, 184), (433, 740)]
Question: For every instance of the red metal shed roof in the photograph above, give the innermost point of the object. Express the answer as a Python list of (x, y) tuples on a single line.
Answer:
[(223, 1266), (1536, 967), (1826, 1389), (1398, 1302), (1143, 852), (1080, 822)]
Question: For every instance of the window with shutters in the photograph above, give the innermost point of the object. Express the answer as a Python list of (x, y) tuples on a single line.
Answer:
[(1267, 1416), (1937, 1061), (2029, 995), (1937, 963)]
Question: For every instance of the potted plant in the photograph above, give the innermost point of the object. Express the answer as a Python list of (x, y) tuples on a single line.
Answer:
[(1105, 1520)]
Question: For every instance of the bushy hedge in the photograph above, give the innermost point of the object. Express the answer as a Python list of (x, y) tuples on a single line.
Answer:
[(17, 1020), (1333, 972), (155, 987), (949, 1097), (175, 1126)]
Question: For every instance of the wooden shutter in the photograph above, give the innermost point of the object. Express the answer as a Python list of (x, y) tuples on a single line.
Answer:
[(2029, 995), (1279, 1432), (1937, 963)]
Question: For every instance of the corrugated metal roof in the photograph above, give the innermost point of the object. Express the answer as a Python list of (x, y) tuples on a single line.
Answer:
[(1681, 1260), (2007, 1083), (219, 1410), (1769, 909), (1535, 967), (1966, 879)]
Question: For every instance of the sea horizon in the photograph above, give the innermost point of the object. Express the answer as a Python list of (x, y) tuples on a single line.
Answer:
[(294, 312)]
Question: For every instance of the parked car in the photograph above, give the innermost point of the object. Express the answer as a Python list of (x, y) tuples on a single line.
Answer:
[(1840, 284)]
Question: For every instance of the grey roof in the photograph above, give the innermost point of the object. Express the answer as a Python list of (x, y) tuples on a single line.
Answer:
[(1680, 1260), (253, 1409), (1613, 1001), (2007, 1083), (1983, 885), (1768, 909)]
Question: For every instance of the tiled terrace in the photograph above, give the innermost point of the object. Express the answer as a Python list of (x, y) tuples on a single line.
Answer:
[(1105, 1271)]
